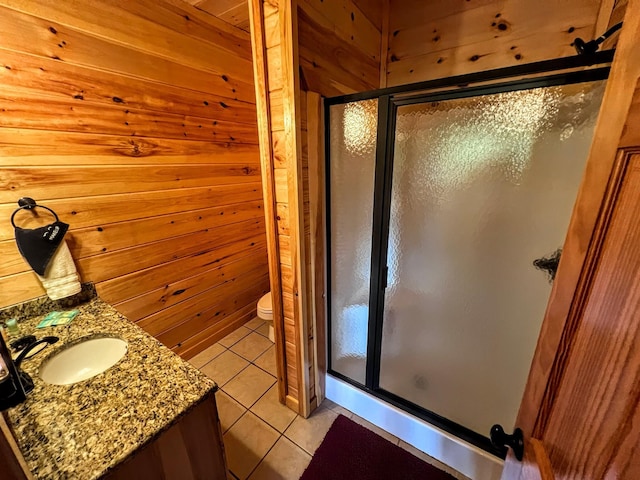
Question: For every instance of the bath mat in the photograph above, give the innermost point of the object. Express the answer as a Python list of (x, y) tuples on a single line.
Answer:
[(352, 452)]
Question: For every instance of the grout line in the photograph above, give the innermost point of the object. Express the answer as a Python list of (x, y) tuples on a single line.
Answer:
[(237, 419), (258, 366), (210, 360), (266, 391), (221, 387), (239, 372), (268, 373), (248, 360), (267, 421), (299, 446), (284, 434), (265, 336), (254, 329), (271, 448), (265, 455), (229, 347), (247, 366)]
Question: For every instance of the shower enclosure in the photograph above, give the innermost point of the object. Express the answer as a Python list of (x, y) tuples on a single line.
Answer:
[(438, 205)]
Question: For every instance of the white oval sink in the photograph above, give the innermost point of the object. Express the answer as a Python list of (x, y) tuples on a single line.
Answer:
[(85, 359)]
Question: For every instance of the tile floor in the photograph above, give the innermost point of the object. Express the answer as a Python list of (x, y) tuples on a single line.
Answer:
[(263, 439)]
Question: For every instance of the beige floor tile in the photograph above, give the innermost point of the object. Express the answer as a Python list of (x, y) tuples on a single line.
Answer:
[(267, 361), (432, 461), (251, 346), (235, 336), (224, 367), (269, 409), (253, 324), (246, 443), (285, 461), (207, 355), (375, 429), (249, 385), (336, 408), (264, 330), (326, 403), (229, 411), (308, 433)]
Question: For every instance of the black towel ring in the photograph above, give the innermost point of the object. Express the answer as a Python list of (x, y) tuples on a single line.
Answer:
[(27, 203)]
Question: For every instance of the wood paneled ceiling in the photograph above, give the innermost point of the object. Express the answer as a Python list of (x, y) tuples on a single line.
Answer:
[(235, 12)]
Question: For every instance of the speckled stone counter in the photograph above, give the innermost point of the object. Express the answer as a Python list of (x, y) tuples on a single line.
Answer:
[(82, 431)]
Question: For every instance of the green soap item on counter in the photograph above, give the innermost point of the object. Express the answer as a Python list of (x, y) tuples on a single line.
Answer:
[(66, 317), (49, 320), (57, 318)]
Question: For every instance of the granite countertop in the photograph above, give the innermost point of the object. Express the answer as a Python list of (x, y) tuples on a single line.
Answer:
[(85, 429)]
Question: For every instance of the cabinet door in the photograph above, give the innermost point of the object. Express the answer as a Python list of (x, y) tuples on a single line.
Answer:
[(581, 408), (12, 464), (191, 449)]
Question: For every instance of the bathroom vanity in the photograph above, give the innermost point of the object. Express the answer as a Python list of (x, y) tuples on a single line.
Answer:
[(151, 415)]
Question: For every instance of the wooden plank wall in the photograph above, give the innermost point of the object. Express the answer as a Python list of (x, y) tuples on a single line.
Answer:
[(272, 46), (340, 45), (136, 122), (442, 38), (315, 244)]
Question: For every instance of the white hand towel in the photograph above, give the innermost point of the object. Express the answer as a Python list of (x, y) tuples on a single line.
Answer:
[(61, 278)]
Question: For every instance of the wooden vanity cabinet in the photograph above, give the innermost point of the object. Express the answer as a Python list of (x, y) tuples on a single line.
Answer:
[(191, 449), (12, 464)]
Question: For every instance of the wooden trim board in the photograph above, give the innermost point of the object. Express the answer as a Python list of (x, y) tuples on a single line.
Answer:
[(260, 68)]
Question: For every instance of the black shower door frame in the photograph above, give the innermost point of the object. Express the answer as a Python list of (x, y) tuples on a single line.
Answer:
[(389, 99)]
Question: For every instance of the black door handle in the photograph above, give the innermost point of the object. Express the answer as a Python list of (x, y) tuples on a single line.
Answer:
[(500, 439)]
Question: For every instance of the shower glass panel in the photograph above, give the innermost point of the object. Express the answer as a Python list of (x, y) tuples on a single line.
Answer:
[(351, 176), (481, 187)]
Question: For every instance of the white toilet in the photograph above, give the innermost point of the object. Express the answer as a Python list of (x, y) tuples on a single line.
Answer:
[(265, 312)]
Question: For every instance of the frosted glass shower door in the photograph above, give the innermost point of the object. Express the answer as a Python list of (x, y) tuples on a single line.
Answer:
[(351, 180), (481, 188)]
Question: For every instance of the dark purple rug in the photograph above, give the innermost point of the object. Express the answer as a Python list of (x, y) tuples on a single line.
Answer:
[(351, 452)]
